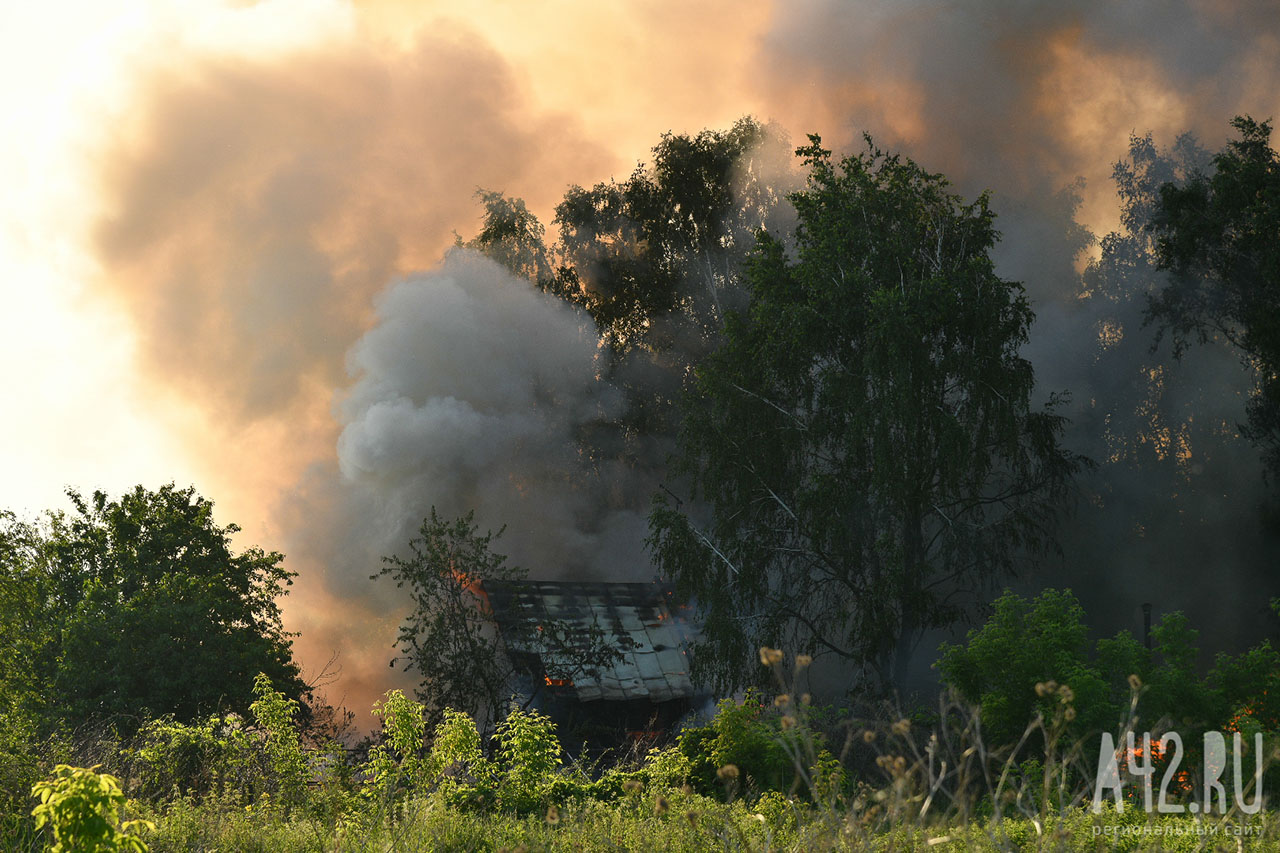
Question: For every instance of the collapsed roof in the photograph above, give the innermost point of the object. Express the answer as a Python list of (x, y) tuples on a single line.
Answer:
[(640, 620)]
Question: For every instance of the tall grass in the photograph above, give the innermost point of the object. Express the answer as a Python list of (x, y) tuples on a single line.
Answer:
[(876, 781)]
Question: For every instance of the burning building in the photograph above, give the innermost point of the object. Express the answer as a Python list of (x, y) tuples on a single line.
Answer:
[(636, 690)]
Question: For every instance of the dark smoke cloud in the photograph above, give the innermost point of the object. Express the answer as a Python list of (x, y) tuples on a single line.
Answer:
[(1022, 99), (469, 392)]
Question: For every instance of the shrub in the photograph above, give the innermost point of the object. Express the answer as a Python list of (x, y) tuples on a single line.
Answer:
[(396, 765), (214, 756), (82, 809), (751, 739), (529, 752), (1026, 643), (275, 714), (455, 756)]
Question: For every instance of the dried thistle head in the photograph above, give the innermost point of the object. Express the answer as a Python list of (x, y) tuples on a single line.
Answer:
[(660, 806), (553, 815), (1135, 683), (630, 786), (728, 772), (869, 736), (770, 657), (782, 700), (788, 723), (803, 661), (902, 728)]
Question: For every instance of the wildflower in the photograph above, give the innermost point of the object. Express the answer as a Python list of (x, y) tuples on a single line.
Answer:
[(1070, 713), (1066, 694), (553, 815), (869, 736), (770, 657), (1042, 689), (728, 772)]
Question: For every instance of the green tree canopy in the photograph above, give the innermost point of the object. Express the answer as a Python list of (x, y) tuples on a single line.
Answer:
[(865, 437), (654, 259), (149, 610)]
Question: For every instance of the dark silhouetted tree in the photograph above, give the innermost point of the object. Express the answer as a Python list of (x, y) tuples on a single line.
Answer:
[(865, 436)]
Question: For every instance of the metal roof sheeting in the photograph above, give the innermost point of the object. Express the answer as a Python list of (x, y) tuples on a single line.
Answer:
[(652, 638)]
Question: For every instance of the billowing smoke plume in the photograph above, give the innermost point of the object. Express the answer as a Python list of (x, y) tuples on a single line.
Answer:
[(257, 210), (253, 212), (472, 390)]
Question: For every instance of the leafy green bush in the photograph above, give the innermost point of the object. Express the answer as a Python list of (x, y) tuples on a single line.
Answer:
[(82, 807), (396, 765), (456, 760), (748, 745), (275, 715), (197, 759), (529, 752), (1038, 642)]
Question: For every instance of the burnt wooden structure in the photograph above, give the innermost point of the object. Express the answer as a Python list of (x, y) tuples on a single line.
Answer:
[(639, 695)]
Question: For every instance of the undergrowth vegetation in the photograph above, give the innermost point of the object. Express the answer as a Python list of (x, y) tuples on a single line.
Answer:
[(765, 771)]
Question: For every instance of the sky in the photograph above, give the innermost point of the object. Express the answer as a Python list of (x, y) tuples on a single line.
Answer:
[(217, 215)]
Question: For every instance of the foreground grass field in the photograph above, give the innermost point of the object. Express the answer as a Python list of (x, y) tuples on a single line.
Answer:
[(758, 777), (691, 823)]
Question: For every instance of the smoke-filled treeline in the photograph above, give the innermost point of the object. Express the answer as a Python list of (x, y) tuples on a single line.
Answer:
[(657, 260), (266, 225)]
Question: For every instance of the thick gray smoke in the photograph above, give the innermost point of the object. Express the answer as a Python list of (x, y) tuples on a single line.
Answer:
[(471, 390)]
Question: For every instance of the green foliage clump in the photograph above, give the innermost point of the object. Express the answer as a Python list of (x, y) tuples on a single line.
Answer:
[(456, 757), (82, 808), (275, 714), (215, 755), (1041, 641), (530, 757), (396, 765), (745, 747), (1032, 661)]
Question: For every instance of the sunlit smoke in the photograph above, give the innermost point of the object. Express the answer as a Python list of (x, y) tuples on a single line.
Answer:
[(268, 221)]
